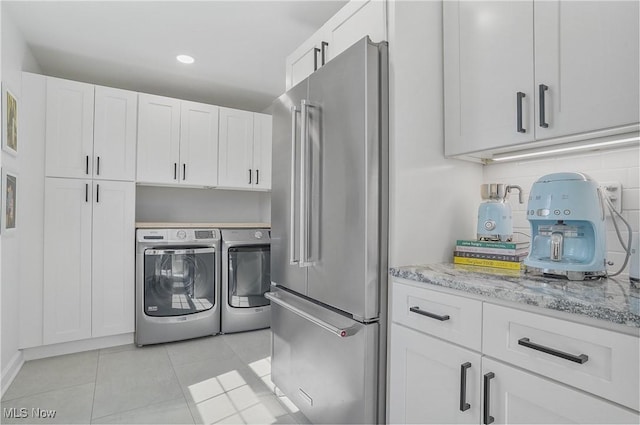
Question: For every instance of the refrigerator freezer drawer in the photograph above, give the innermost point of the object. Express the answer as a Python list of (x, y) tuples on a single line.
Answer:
[(329, 377)]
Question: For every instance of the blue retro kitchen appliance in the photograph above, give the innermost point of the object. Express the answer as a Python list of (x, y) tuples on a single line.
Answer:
[(495, 221), (567, 216)]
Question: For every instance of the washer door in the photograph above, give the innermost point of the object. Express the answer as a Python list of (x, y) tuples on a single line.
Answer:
[(249, 275), (178, 281)]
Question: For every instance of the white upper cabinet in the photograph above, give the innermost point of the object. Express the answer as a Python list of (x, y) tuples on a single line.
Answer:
[(355, 20), (236, 149), (245, 150), (90, 131), (587, 56), (306, 60), (262, 134), (69, 129), (198, 144), (114, 140), (158, 139), (488, 68), (177, 142), (575, 64)]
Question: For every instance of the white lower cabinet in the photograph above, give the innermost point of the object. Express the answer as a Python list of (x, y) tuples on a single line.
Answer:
[(67, 260), (518, 397), (88, 259), (113, 259), (508, 379), (432, 381)]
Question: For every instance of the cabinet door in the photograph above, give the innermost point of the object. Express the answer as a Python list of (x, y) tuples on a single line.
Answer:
[(425, 384), (488, 60), (158, 139), (69, 129), (199, 144), (113, 257), (114, 140), (520, 397), (236, 149), (354, 21), (586, 53), (303, 64), (67, 260), (262, 133)]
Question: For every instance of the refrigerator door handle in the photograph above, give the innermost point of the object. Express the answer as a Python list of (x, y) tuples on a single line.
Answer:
[(341, 332), (292, 212), (304, 202)]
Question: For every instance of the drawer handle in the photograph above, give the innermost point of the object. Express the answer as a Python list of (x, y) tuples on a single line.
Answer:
[(582, 358), (487, 418), (426, 313), (463, 387)]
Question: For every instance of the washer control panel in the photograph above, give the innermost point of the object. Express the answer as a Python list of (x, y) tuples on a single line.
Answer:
[(168, 236)]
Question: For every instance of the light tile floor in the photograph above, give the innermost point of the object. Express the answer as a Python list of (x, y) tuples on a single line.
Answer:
[(217, 379)]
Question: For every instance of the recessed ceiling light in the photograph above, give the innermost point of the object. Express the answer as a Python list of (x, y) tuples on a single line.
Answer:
[(185, 59)]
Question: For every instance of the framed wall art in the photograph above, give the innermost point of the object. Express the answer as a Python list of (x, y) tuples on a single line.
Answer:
[(9, 200), (9, 121)]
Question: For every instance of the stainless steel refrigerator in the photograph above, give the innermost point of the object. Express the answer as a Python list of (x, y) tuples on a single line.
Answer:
[(329, 215)]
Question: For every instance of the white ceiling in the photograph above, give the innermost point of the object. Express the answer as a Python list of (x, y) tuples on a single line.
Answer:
[(239, 46)]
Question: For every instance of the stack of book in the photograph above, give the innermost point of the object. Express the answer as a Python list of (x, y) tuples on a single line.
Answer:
[(503, 255)]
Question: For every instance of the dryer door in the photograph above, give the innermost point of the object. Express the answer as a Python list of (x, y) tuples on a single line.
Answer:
[(179, 281), (249, 276)]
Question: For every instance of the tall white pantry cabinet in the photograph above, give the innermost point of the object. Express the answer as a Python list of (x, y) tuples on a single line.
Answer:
[(89, 224)]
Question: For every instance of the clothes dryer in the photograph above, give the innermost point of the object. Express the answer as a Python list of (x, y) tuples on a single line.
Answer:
[(246, 276)]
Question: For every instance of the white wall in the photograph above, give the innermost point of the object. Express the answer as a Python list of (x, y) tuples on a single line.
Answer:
[(167, 204), (16, 57), (621, 165), (432, 199)]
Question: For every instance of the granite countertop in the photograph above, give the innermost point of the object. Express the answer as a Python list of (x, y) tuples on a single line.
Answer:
[(611, 300), (174, 225)]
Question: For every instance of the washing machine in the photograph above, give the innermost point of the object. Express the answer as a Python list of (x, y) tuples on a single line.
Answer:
[(246, 276), (177, 284)]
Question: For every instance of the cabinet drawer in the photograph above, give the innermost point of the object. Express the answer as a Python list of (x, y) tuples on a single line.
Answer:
[(602, 362), (456, 319)]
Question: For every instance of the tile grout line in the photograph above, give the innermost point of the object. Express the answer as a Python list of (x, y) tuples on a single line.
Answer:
[(163, 345), (184, 395), (95, 386), (65, 387)]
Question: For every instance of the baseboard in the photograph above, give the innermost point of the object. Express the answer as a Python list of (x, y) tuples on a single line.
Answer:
[(9, 373), (76, 346)]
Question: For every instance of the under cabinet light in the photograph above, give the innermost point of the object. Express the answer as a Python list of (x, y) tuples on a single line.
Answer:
[(551, 151)]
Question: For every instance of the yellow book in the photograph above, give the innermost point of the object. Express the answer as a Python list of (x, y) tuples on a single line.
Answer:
[(512, 265)]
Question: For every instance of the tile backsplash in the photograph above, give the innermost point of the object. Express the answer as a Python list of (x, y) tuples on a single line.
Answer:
[(616, 165)]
